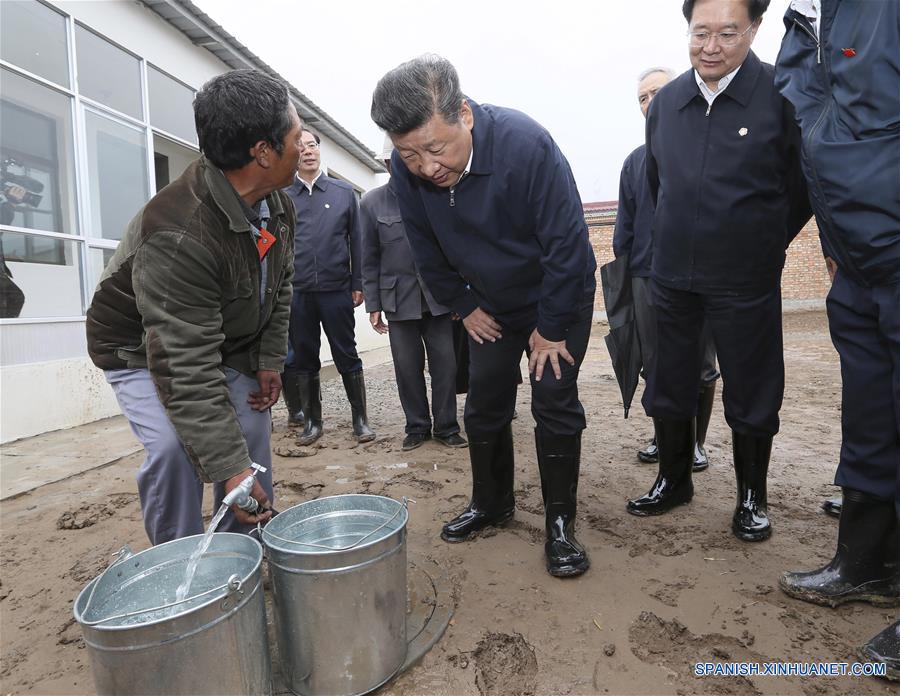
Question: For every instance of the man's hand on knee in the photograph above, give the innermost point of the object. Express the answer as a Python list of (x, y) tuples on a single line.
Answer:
[(543, 350)]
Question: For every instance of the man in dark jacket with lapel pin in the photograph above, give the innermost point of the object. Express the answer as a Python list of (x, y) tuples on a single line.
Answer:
[(498, 233), (417, 323), (723, 169)]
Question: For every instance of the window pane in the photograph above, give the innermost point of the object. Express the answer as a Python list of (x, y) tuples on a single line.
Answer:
[(171, 105), (33, 37), (97, 261), (37, 179), (117, 168), (40, 277), (108, 74), (169, 160)]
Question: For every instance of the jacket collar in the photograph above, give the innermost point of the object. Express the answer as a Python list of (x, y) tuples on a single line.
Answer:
[(740, 88), (298, 187), (482, 140), (226, 198)]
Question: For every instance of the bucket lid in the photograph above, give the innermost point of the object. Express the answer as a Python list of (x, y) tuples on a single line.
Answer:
[(336, 524)]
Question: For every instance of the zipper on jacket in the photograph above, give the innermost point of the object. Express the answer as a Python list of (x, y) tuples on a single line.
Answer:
[(452, 196), (708, 108), (815, 38)]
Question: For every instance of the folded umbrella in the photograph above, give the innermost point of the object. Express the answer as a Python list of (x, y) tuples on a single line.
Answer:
[(623, 343)]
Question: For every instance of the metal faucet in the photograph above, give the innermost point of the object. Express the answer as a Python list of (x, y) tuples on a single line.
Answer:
[(240, 494)]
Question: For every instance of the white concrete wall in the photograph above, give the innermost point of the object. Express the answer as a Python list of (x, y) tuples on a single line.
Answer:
[(38, 397)]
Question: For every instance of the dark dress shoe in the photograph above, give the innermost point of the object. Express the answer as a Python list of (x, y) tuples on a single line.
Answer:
[(454, 440), (414, 440), (833, 506), (701, 461), (884, 649), (650, 454)]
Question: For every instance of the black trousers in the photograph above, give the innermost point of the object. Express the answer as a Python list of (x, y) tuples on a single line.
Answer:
[(411, 341), (333, 311), (494, 374), (747, 333), (865, 330)]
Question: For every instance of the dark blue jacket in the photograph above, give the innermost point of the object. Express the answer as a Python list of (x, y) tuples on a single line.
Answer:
[(634, 217), (848, 108), (729, 192), (514, 242), (327, 238)]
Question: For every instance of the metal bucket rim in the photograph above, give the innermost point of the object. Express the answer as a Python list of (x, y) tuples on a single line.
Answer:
[(293, 549), (217, 597)]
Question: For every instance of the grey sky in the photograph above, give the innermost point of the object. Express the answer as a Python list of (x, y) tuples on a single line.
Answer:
[(573, 66)]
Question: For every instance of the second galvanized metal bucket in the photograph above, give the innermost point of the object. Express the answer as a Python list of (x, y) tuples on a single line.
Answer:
[(338, 569)]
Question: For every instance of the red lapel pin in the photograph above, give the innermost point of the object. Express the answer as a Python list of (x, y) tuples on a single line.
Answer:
[(848, 52)]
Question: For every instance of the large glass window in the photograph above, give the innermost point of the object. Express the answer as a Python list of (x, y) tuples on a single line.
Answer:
[(169, 160), (117, 165), (37, 188), (98, 259), (171, 105), (108, 74), (40, 276), (33, 37)]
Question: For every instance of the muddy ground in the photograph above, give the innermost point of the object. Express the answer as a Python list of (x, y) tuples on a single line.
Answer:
[(662, 593)]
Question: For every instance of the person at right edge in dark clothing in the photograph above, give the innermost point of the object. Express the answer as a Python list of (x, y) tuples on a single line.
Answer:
[(723, 168), (839, 66)]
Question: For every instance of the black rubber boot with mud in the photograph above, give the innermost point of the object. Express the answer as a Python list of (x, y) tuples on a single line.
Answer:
[(673, 485), (750, 521), (291, 392), (355, 386), (311, 398), (884, 649), (705, 401), (493, 502), (864, 567), (559, 460)]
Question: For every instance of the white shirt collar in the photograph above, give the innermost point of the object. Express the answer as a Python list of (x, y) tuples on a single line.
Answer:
[(468, 165), (709, 94), (309, 186)]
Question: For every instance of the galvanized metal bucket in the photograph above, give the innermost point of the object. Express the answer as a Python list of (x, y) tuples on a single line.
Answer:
[(142, 641), (338, 569)]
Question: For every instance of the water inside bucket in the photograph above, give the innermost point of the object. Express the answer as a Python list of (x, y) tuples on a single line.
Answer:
[(336, 523), (128, 595)]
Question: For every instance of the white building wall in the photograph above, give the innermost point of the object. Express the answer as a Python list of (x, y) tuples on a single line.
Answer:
[(47, 381)]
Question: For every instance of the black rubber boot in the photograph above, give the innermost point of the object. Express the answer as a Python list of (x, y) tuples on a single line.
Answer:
[(705, 401), (832, 507), (291, 392), (864, 567), (884, 649), (355, 386), (493, 502), (559, 460), (673, 485), (650, 454), (311, 398), (750, 521)]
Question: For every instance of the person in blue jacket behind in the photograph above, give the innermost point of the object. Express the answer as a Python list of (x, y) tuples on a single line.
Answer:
[(839, 66), (498, 233), (723, 169), (633, 236)]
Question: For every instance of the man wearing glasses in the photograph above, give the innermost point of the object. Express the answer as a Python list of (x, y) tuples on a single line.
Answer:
[(723, 169), (327, 287)]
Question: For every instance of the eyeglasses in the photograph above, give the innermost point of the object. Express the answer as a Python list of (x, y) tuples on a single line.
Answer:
[(698, 39), (309, 146)]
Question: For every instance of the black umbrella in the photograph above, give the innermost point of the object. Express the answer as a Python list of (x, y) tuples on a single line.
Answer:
[(623, 343)]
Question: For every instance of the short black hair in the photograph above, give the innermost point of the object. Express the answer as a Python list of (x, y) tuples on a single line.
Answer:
[(410, 94), (313, 133), (756, 8), (235, 110)]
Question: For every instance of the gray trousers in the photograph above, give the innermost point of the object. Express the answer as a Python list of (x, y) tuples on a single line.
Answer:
[(171, 492), (645, 318), (411, 340)]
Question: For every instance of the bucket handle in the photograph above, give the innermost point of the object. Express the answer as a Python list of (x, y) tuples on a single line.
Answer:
[(403, 506), (233, 586)]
